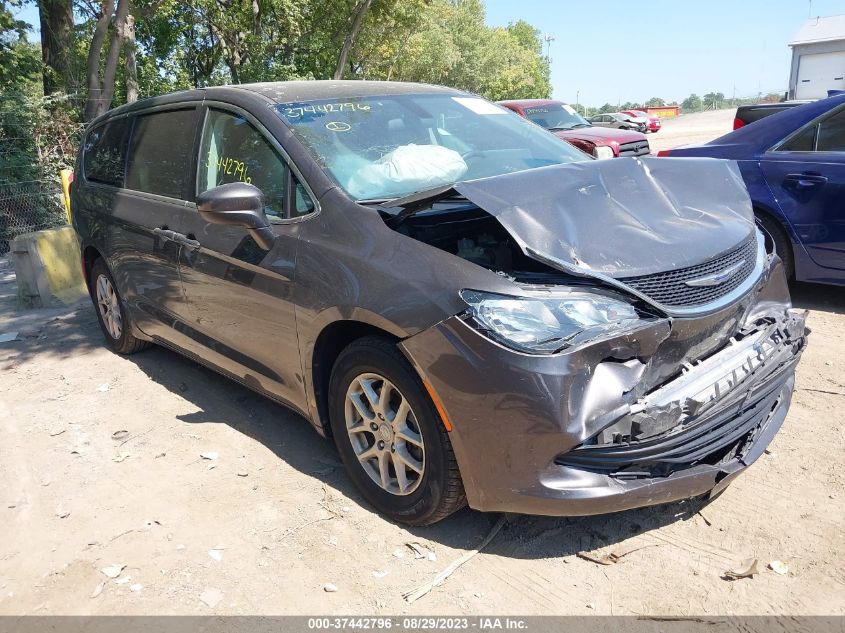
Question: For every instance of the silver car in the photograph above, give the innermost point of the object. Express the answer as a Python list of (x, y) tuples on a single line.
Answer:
[(617, 120)]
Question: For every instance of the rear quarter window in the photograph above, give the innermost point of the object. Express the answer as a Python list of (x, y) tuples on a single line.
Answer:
[(104, 153), (160, 153)]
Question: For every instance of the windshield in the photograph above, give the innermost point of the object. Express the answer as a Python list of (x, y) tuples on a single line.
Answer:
[(555, 116), (378, 148)]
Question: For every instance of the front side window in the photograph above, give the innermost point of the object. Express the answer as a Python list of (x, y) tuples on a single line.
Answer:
[(160, 153), (391, 146), (232, 150), (104, 157)]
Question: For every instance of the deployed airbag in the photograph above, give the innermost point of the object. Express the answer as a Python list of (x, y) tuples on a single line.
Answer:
[(408, 168)]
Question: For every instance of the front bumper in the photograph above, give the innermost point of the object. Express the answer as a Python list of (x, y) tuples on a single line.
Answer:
[(611, 425)]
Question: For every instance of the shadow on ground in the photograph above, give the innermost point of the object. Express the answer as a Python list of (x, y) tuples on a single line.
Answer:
[(293, 440), (818, 297)]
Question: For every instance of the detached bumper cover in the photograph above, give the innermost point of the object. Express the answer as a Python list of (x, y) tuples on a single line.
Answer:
[(582, 433)]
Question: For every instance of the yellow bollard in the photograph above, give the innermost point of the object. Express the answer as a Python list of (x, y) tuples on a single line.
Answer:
[(67, 177)]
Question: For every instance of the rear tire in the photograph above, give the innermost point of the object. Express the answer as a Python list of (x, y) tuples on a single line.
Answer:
[(111, 311), (390, 437), (778, 241)]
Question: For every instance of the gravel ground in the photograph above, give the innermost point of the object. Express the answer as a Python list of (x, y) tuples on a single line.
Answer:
[(101, 469), (687, 129)]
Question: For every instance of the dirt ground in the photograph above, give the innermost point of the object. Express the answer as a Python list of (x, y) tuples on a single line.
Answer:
[(687, 129), (101, 466)]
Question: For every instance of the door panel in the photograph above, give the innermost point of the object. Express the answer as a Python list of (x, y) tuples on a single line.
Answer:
[(810, 190), (807, 178), (145, 265), (241, 303), (241, 297), (157, 186)]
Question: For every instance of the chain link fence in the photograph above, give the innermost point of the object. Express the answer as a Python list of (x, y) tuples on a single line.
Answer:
[(29, 206)]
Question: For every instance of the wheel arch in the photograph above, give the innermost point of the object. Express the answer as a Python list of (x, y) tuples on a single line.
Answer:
[(328, 345), (90, 254), (781, 225)]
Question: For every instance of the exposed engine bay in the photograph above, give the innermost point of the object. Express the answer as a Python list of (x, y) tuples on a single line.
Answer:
[(472, 234)]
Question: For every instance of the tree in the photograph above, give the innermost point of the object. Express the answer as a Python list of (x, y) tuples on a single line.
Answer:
[(19, 59), (358, 15), (655, 102), (712, 100), (692, 103), (454, 46), (57, 31)]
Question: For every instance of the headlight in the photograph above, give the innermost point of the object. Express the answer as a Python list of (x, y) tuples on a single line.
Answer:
[(544, 325), (602, 151)]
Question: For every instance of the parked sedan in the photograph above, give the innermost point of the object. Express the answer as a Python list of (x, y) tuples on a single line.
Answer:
[(652, 122), (472, 309), (615, 120), (563, 121), (793, 163)]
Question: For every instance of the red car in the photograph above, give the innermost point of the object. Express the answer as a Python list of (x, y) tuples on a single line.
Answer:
[(564, 122), (653, 121)]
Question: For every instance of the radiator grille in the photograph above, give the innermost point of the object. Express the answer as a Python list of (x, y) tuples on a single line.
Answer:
[(670, 288)]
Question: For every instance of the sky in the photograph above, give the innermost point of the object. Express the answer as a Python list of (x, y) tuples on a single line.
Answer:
[(610, 51)]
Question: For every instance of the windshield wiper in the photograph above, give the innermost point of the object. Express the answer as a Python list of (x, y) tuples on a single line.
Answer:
[(400, 209)]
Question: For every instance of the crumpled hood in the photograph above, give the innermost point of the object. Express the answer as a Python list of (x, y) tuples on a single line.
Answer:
[(621, 217)]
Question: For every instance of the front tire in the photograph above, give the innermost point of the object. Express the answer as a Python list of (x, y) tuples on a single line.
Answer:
[(390, 437), (111, 311), (777, 240)]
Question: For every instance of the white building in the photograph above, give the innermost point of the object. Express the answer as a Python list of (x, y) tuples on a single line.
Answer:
[(818, 58)]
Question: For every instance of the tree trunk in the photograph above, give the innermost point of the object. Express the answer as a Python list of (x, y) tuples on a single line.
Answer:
[(56, 21), (101, 91), (92, 73), (357, 22), (131, 65)]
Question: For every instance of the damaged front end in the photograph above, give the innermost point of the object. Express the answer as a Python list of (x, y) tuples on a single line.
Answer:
[(711, 413), (664, 398)]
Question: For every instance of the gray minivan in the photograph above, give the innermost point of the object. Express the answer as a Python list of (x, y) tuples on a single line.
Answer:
[(475, 311)]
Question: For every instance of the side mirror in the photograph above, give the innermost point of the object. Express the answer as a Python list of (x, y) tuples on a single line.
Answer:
[(238, 204)]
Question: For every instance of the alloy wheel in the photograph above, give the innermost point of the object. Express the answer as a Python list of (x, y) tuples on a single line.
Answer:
[(109, 306), (384, 434)]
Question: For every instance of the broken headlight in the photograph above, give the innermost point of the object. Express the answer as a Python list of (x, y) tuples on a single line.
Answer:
[(543, 325)]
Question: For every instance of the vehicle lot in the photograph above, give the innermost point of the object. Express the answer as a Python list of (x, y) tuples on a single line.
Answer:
[(102, 466)]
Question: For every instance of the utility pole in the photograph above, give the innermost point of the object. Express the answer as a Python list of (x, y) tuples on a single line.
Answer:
[(577, 99), (549, 38)]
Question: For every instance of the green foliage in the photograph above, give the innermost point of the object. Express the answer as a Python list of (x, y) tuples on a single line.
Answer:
[(455, 48), (20, 61), (692, 103), (38, 135)]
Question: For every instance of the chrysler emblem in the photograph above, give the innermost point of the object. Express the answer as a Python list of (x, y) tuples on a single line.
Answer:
[(716, 278)]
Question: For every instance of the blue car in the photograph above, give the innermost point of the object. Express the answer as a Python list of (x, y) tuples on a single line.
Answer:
[(793, 164)]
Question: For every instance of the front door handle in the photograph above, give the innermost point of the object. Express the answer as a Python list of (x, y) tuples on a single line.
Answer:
[(179, 238), (184, 240), (165, 233), (805, 180)]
